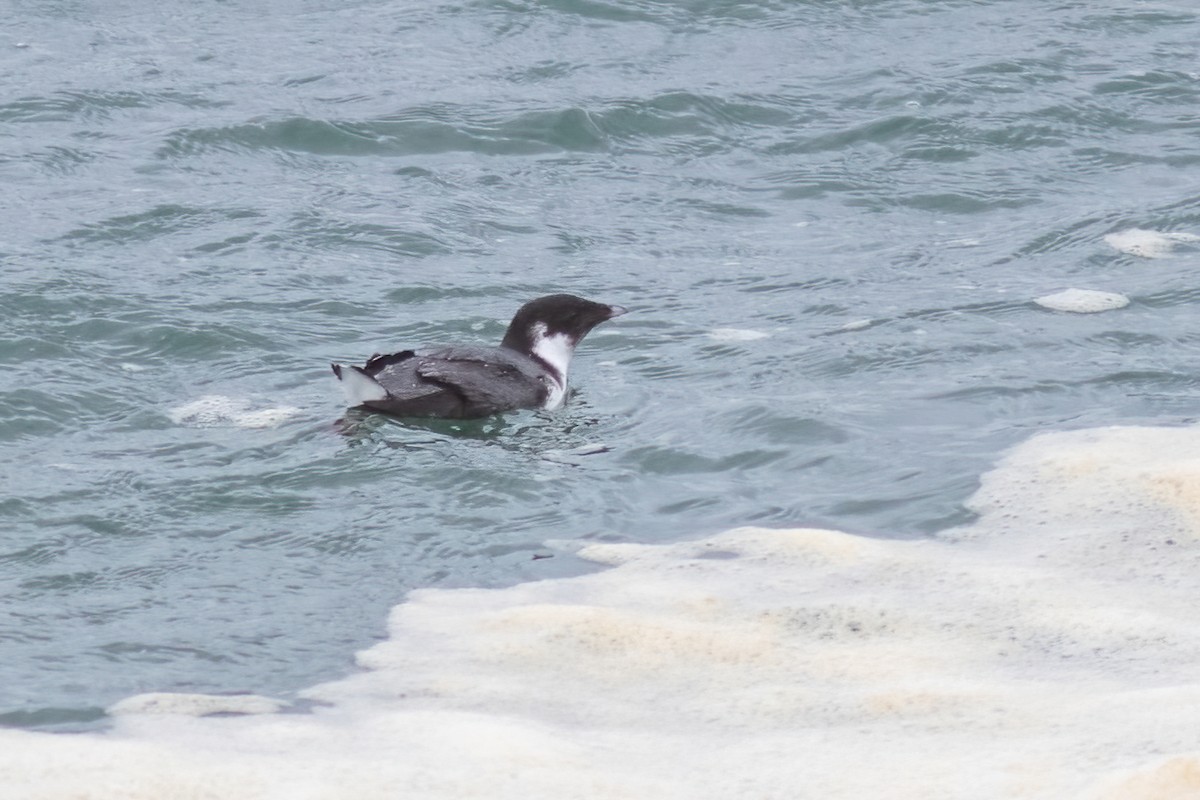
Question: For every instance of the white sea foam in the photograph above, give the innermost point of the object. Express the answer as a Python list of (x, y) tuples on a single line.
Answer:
[(1147, 244), (219, 411), (737, 335), (195, 705), (1083, 301), (1046, 651)]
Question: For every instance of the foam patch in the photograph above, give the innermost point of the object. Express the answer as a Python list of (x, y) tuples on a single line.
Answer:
[(737, 335), (1048, 650), (1083, 301), (218, 411), (196, 705), (1147, 244)]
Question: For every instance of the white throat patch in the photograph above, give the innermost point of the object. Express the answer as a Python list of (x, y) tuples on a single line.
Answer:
[(556, 350)]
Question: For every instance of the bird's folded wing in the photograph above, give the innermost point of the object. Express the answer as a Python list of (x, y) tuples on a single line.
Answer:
[(484, 383)]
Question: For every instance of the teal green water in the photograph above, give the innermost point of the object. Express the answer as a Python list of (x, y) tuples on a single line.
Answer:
[(829, 222)]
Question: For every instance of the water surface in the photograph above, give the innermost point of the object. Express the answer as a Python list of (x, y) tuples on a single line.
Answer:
[(829, 221)]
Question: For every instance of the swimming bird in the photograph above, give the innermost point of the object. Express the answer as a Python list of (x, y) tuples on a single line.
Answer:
[(463, 381)]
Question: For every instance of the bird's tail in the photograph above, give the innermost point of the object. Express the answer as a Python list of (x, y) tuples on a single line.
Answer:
[(358, 385)]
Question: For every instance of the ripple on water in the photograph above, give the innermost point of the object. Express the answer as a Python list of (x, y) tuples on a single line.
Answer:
[(162, 220), (94, 106), (413, 132)]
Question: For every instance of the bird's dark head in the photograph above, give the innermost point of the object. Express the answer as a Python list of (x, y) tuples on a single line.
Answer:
[(550, 327)]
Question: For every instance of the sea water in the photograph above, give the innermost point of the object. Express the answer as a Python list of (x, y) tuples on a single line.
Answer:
[(867, 248)]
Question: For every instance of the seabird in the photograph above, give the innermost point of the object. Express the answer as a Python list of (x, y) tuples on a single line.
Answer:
[(463, 381)]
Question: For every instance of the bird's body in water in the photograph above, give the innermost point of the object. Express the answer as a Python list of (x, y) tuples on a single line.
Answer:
[(527, 370)]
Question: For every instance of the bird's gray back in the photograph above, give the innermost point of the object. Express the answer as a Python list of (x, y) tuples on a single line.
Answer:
[(486, 380)]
